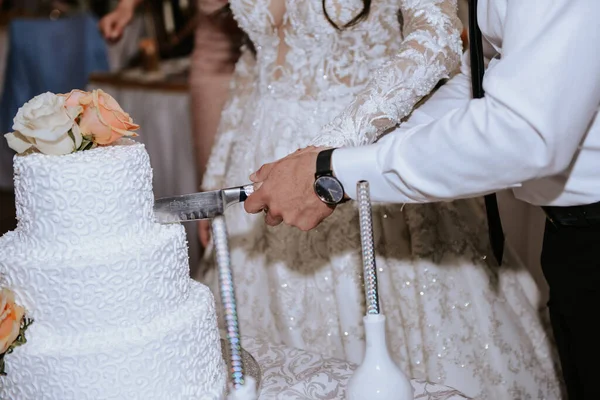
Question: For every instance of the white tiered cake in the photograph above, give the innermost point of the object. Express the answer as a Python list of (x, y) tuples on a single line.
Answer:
[(116, 315)]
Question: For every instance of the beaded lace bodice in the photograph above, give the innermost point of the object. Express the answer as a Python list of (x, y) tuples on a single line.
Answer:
[(380, 69), (398, 54)]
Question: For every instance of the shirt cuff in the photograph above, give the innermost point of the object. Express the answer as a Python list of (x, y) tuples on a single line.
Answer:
[(354, 164)]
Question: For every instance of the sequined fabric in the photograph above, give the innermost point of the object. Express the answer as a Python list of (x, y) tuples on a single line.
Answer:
[(452, 316)]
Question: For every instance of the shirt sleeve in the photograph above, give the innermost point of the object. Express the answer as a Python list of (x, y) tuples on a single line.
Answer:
[(541, 96), (429, 53)]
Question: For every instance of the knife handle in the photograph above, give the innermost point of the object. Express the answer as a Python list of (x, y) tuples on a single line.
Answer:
[(236, 195), (245, 192)]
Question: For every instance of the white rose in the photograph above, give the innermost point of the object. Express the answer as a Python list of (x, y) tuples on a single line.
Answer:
[(46, 124)]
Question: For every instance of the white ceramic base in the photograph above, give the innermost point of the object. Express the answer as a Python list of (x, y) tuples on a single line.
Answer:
[(378, 377), (246, 392)]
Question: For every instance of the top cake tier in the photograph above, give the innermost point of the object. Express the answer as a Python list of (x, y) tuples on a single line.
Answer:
[(84, 196)]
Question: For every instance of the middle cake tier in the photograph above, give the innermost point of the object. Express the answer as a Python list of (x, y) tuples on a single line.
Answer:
[(101, 285)]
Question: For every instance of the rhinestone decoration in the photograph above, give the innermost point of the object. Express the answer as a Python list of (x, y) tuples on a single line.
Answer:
[(219, 231), (368, 247)]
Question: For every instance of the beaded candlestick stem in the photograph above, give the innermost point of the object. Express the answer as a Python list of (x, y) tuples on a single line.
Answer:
[(378, 377), (242, 387), (368, 248)]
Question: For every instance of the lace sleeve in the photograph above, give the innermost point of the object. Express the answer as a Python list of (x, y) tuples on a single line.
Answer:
[(429, 53), (231, 119)]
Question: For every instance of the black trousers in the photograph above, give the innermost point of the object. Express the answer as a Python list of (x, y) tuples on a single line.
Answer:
[(571, 265)]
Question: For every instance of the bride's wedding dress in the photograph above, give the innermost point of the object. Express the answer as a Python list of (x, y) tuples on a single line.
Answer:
[(452, 316)]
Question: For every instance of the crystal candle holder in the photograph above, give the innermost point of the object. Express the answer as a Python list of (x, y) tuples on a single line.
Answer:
[(378, 377), (227, 291)]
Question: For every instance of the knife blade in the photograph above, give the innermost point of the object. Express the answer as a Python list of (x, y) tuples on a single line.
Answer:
[(196, 206)]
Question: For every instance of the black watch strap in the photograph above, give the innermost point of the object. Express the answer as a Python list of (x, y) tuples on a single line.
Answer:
[(324, 163)]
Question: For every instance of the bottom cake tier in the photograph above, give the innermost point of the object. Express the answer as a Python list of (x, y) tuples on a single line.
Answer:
[(175, 356)]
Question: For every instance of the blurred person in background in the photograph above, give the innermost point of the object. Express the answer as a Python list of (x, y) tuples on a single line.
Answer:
[(216, 50)]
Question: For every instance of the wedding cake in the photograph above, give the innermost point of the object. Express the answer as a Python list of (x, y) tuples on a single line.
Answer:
[(99, 291)]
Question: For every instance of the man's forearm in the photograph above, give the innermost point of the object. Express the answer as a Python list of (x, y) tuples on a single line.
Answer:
[(536, 110)]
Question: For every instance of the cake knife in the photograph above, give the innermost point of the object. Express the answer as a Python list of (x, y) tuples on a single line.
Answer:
[(203, 205)]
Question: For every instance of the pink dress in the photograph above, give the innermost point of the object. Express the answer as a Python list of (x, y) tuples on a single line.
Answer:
[(213, 62)]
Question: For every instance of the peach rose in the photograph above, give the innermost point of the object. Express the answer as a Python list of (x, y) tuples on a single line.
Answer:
[(73, 99), (103, 118), (11, 317)]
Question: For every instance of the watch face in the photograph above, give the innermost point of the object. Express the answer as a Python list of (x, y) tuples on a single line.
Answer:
[(329, 189)]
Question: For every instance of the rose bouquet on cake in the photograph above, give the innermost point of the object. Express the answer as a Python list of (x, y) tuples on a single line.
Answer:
[(13, 324), (60, 124)]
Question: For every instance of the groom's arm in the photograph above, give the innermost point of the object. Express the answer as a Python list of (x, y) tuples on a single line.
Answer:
[(540, 99)]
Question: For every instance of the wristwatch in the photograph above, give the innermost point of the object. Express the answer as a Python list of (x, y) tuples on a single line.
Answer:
[(327, 187)]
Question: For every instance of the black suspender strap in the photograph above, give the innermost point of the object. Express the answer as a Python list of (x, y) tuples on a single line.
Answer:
[(495, 231)]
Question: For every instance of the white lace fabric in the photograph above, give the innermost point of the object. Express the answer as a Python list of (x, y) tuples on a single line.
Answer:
[(429, 53), (301, 55)]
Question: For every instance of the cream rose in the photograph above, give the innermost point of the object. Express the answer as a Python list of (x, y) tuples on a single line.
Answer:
[(46, 123), (11, 317)]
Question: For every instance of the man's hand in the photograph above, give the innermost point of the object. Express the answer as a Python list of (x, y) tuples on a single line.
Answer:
[(286, 191)]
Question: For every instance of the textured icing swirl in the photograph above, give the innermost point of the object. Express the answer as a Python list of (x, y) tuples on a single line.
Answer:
[(64, 201), (85, 289), (175, 356), (116, 314)]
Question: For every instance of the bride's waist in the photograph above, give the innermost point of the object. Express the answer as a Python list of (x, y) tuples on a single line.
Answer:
[(274, 106), (307, 88)]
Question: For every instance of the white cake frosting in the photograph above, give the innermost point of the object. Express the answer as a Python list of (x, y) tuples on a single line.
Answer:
[(64, 201), (116, 315)]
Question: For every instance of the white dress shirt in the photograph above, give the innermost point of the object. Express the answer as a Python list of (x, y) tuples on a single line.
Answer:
[(535, 131)]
